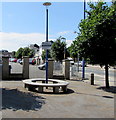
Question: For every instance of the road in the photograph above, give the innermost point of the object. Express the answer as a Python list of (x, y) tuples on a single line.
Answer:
[(34, 72), (99, 73)]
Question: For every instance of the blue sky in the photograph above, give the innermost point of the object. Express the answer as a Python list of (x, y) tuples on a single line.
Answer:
[(23, 23)]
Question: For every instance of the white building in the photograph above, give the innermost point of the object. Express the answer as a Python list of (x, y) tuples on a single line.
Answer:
[(34, 47), (40, 54)]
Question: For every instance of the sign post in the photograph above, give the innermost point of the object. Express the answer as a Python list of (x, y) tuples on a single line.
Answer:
[(47, 4), (46, 45)]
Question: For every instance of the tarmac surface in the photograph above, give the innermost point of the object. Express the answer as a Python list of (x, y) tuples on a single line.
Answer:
[(81, 101)]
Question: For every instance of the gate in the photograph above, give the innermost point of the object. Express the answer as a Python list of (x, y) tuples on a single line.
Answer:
[(74, 72), (57, 68)]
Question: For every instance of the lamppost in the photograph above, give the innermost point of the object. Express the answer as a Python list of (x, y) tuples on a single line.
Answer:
[(84, 7), (77, 55), (64, 40), (83, 61), (47, 4)]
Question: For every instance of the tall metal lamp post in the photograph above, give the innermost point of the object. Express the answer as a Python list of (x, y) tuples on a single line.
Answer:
[(64, 40), (83, 61), (77, 56), (47, 4)]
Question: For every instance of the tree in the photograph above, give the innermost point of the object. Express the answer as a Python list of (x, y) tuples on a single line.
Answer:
[(13, 54), (19, 53), (74, 50), (31, 53), (97, 39), (24, 52), (44, 55), (28, 52), (57, 49)]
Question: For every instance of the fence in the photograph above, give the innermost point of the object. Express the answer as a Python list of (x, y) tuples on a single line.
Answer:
[(57, 68), (75, 72)]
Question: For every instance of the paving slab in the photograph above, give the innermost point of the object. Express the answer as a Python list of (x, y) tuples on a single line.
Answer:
[(81, 101)]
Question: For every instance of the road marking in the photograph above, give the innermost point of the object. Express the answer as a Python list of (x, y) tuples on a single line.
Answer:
[(97, 75)]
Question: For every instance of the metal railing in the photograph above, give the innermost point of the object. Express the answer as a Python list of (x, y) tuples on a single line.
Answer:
[(58, 68)]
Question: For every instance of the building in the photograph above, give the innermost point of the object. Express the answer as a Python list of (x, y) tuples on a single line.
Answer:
[(4, 53), (34, 47)]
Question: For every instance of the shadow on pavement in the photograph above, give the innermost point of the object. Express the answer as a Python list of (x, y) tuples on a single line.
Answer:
[(18, 100), (13, 80), (96, 95), (112, 89)]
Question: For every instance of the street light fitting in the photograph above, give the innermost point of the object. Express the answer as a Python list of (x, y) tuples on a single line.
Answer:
[(63, 38), (47, 4)]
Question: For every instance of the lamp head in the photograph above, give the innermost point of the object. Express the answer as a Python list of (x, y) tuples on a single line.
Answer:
[(47, 4)]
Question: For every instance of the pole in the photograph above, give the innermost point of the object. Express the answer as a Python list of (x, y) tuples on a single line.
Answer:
[(46, 25), (84, 8), (83, 68), (64, 49), (47, 4), (78, 62), (64, 52), (83, 62), (46, 41)]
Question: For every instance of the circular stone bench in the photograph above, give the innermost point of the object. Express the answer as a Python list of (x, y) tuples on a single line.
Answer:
[(32, 84)]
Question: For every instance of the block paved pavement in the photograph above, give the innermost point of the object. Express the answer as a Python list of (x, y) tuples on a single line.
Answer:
[(81, 101)]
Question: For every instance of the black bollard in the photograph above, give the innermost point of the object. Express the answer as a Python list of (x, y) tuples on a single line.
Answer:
[(92, 78)]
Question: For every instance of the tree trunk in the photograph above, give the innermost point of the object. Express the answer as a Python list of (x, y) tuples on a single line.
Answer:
[(106, 76)]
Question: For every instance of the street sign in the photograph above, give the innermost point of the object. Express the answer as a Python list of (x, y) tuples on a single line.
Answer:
[(46, 45)]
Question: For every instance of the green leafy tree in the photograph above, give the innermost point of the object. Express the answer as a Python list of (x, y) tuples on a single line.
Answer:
[(19, 53), (57, 49), (97, 39), (44, 55), (28, 52), (74, 50), (13, 54), (31, 53), (24, 52)]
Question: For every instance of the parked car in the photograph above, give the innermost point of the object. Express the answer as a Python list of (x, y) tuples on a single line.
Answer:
[(18, 61), (31, 61), (114, 67), (71, 61), (12, 59), (21, 62), (42, 66), (80, 63)]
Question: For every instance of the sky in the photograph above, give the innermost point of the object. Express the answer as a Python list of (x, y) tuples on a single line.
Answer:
[(24, 23)]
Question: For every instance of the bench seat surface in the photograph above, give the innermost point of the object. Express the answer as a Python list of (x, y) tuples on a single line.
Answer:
[(34, 83)]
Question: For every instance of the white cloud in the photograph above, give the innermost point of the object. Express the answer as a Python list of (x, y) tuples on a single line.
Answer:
[(68, 42), (66, 34), (63, 33), (13, 41)]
